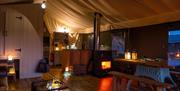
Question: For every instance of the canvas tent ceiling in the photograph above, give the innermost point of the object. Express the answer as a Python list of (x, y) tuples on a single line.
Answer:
[(78, 14)]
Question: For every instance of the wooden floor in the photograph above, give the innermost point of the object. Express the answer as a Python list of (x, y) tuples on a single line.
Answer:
[(90, 83), (21, 85), (76, 83)]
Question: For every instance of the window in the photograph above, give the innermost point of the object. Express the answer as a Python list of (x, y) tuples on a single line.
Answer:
[(174, 47)]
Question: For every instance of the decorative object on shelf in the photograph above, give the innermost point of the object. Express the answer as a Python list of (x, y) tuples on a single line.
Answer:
[(73, 39), (73, 46), (127, 55), (134, 55)]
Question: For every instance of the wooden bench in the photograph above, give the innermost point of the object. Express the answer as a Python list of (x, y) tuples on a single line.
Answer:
[(118, 86)]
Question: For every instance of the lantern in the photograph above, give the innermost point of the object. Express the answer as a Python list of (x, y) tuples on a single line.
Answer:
[(134, 55), (127, 55)]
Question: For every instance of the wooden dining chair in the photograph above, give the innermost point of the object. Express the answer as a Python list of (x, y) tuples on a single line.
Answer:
[(3, 78)]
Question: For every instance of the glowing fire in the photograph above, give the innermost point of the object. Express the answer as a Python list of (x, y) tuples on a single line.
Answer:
[(106, 64)]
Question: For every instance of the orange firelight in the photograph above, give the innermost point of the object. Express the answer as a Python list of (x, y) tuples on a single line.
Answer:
[(106, 65)]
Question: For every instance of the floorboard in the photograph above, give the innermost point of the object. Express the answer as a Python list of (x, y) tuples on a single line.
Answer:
[(76, 83)]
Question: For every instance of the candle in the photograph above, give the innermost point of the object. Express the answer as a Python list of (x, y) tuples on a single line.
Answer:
[(67, 69)]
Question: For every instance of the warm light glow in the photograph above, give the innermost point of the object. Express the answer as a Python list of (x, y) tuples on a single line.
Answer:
[(105, 84), (62, 29), (43, 5), (12, 71), (134, 55), (67, 69), (127, 55), (63, 47), (106, 64), (56, 48), (10, 57), (177, 55)]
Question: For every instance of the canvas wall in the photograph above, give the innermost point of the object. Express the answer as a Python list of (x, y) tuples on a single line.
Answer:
[(22, 35)]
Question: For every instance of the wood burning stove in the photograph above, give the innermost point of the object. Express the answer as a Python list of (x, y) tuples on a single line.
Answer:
[(102, 62), (106, 64)]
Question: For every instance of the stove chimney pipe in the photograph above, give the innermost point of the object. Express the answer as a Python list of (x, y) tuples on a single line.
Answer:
[(97, 22)]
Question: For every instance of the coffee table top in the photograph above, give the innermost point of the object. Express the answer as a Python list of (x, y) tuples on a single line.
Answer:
[(42, 86)]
